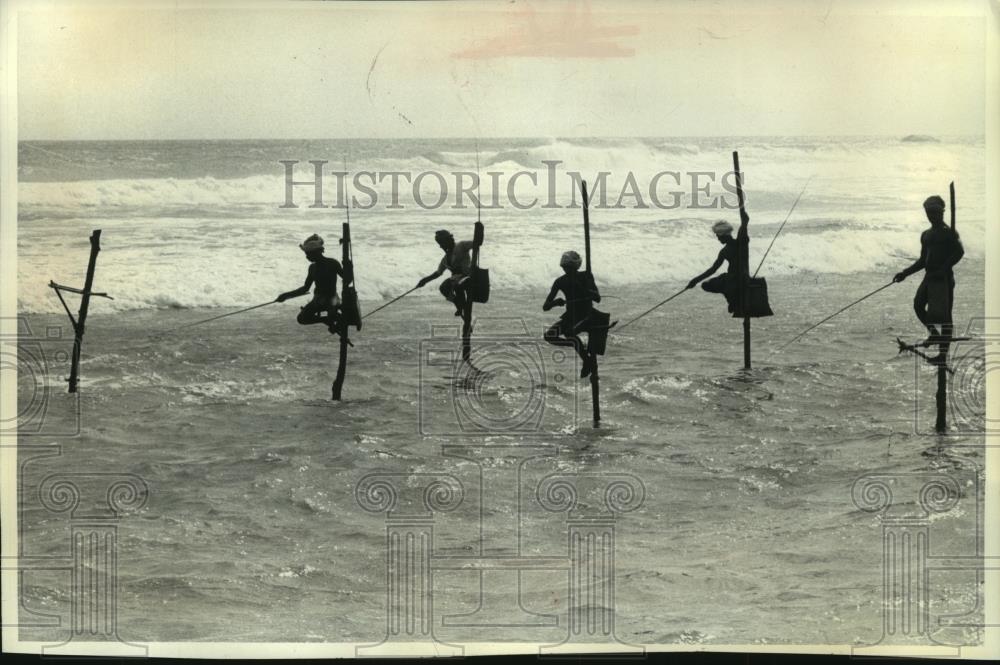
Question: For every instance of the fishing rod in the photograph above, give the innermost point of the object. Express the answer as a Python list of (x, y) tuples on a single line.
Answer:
[(350, 247), (778, 232), (399, 297), (479, 217), (347, 193), (214, 318), (804, 332), (662, 302)]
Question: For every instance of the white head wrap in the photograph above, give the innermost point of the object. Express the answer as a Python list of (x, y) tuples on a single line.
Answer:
[(312, 243), (722, 227)]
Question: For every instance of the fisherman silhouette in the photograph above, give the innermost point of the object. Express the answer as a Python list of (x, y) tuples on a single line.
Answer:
[(457, 259), (735, 251), (580, 293), (940, 250), (323, 271)]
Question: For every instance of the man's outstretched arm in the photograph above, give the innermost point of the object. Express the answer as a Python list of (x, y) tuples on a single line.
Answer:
[(917, 266), (301, 291), (434, 275), (708, 273)]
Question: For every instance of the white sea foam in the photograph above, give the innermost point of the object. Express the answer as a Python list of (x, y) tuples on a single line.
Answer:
[(214, 241)]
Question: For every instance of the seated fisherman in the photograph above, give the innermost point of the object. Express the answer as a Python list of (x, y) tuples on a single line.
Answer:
[(580, 293), (457, 258), (940, 250), (734, 252), (323, 272)]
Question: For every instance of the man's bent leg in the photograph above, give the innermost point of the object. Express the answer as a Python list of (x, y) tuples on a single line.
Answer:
[(717, 284), (460, 295), (920, 308), (554, 336), (310, 313), (446, 288), (720, 284)]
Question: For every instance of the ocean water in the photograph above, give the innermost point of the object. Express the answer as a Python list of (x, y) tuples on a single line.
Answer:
[(253, 531), (170, 210)]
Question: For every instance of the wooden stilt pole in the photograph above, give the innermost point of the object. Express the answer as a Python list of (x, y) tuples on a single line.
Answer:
[(349, 313), (951, 191), (595, 391), (941, 398), (467, 331), (941, 424), (338, 381), (477, 242), (78, 325), (744, 273), (595, 379), (746, 342)]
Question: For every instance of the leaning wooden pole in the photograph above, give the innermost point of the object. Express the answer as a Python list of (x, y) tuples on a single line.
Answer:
[(744, 269), (347, 266), (595, 380), (81, 320)]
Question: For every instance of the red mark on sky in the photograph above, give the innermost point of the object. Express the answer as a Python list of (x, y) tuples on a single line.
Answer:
[(572, 33)]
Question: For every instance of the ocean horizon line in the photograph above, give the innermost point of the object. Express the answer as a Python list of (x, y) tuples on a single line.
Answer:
[(900, 137)]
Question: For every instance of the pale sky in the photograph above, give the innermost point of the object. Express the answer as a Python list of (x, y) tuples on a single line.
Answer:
[(100, 70)]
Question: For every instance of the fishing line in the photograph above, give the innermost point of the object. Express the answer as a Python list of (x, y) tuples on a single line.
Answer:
[(782, 226), (214, 318), (842, 309), (659, 304), (399, 297)]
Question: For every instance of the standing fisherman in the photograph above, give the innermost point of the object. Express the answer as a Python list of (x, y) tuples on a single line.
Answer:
[(458, 260), (735, 251), (580, 293), (940, 250), (323, 272)]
